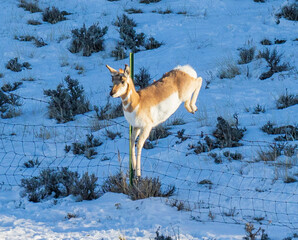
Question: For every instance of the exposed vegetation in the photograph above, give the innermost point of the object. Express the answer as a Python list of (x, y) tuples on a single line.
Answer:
[(66, 102), (167, 11), (32, 163), (130, 40), (60, 183), (149, 1), (30, 6), (270, 154), (180, 135), (273, 59), (161, 236), (246, 55), (112, 135), (234, 156), (119, 53), (226, 135), (33, 22), (8, 87), (159, 132), (86, 148), (9, 105), (252, 233), (143, 78), (88, 40), (15, 66), (289, 12), (133, 10), (286, 100), (228, 70), (38, 42), (53, 15), (279, 41), (266, 41), (290, 132), (259, 109), (141, 188), (109, 111)]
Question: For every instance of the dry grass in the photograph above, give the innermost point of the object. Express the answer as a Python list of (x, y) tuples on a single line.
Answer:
[(228, 69)]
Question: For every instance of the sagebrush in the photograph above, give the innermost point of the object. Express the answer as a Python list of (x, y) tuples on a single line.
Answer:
[(9, 105), (273, 59), (66, 102), (140, 189), (89, 40), (60, 183), (53, 15)]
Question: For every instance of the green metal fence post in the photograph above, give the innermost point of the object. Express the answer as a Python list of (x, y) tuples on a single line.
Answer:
[(131, 173)]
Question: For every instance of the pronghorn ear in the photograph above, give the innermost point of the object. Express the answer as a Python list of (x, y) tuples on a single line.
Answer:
[(126, 70), (112, 70)]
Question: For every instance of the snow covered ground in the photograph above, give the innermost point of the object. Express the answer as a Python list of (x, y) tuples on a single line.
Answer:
[(208, 36)]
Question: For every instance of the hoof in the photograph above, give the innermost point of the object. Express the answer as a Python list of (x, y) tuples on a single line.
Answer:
[(195, 109)]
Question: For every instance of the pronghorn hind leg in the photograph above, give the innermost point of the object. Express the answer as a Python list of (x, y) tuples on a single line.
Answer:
[(187, 106), (135, 133), (143, 136), (195, 96)]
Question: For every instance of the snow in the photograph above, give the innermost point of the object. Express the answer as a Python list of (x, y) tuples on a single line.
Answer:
[(207, 37)]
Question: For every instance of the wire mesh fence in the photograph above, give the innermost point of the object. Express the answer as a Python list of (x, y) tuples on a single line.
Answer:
[(228, 191)]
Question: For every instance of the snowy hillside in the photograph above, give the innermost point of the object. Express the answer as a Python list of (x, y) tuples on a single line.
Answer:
[(232, 163)]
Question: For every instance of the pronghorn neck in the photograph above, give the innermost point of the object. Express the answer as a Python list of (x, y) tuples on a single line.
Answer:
[(131, 98)]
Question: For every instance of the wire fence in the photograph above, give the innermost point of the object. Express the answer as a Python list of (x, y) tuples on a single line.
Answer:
[(228, 191)]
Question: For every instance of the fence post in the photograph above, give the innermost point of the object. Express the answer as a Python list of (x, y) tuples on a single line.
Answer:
[(131, 173)]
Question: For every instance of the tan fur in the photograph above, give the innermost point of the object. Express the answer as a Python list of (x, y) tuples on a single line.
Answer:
[(139, 106)]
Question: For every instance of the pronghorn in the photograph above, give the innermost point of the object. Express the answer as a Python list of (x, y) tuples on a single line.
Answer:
[(148, 107)]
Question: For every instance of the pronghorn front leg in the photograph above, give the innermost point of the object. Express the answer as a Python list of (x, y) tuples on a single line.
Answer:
[(143, 136), (135, 133)]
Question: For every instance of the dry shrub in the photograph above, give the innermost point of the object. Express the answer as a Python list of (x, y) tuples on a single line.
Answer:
[(226, 135), (66, 102), (286, 100), (141, 188), (30, 6), (246, 55), (143, 78), (149, 1), (273, 60), (33, 22), (88, 40), (108, 111), (290, 132), (289, 12), (60, 183), (8, 87), (228, 70), (15, 66), (86, 148), (266, 41), (269, 155), (53, 15), (9, 105), (159, 132)]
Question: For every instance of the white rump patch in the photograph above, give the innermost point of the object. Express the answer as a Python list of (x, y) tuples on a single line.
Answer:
[(187, 69)]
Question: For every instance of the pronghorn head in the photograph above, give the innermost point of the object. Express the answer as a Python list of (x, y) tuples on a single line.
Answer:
[(120, 81)]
